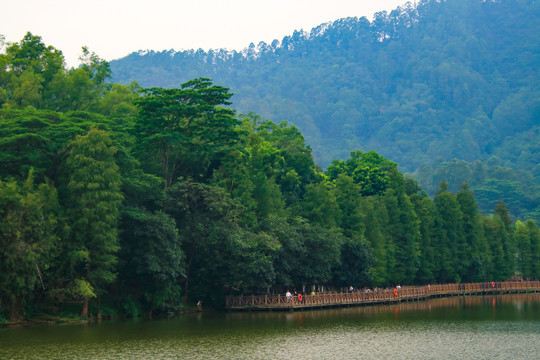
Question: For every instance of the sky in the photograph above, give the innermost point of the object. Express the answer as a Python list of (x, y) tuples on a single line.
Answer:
[(115, 28)]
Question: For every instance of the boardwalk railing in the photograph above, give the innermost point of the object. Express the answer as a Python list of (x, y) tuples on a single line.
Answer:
[(407, 293)]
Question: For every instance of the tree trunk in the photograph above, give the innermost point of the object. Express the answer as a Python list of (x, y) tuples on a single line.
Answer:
[(186, 283), (84, 312), (186, 289), (99, 317), (15, 311)]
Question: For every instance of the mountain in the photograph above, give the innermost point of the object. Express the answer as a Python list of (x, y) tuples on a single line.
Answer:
[(447, 89)]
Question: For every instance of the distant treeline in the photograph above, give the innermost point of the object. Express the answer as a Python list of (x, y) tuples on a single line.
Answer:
[(122, 200)]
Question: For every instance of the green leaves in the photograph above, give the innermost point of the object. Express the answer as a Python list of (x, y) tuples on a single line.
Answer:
[(93, 201), (35, 75), (369, 170), (307, 255), (28, 240), (82, 289), (185, 129), (152, 262), (183, 201)]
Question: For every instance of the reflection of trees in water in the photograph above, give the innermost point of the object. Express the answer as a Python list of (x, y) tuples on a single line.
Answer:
[(423, 305)]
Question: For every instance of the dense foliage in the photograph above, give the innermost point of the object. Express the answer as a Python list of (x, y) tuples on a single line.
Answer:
[(145, 200), (423, 85)]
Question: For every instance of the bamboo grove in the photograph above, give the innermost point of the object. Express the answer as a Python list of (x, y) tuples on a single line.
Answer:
[(119, 200)]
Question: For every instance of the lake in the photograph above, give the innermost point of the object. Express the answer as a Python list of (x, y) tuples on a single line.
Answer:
[(464, 327)]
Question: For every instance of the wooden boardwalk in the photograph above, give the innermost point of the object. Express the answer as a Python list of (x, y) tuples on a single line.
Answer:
[(358, 298)]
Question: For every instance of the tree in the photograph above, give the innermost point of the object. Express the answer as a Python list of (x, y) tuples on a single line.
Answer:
[(235, 176), (404, 235), (376, 225), (348, 196), (356, 264), (81, 88), (119, 101), (475, 250), (534, 235), (93, 203), (32, 53), (369, 170), (208, 222), (322, 254), (185, 130), (28, 239), (425, 210), (30, 67), (320, 207), (509, 250), (449, 237), (266, 163), (523, 246), (493, 229), (151, 260), (295, 168), (25, 143), (307, 255)]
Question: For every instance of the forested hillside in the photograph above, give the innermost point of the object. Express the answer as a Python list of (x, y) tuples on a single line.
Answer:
[(121, 200), (429, 86)]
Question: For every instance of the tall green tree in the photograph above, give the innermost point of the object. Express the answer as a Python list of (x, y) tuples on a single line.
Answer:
[(509, 249), (185, 131), (448, 236), (527, 240), (474, 252), (93, 202), (493, 230), (425, 210), (28, 239), (523, 254), (266, 162), (348, 195), (404, 234), (376, 224), (534, 235)]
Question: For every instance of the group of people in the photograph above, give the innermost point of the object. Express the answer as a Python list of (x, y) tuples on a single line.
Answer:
[(289, 296)]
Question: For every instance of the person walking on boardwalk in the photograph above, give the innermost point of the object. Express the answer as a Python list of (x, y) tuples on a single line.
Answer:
[(288, 295)]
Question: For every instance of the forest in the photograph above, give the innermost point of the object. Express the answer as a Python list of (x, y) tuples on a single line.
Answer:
[(447, 89), (118, 200)]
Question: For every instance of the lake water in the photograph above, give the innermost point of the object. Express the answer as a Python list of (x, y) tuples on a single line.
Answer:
[(475, 327)]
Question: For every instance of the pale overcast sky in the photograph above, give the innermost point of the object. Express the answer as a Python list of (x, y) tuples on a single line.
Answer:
[(115, 28)]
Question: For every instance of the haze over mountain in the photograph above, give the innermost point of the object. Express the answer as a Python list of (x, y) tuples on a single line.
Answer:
[(447, 89)]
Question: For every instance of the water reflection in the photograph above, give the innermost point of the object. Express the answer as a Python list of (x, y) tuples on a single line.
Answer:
[(480, 327), (456, 302)]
